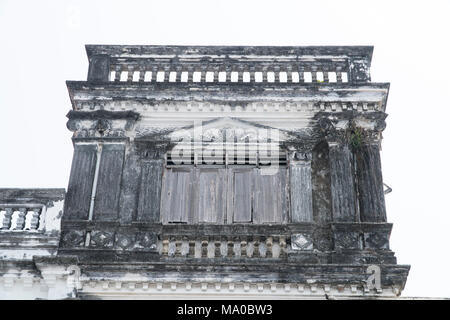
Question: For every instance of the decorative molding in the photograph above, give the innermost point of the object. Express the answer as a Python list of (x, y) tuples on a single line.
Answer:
[(301, 242)]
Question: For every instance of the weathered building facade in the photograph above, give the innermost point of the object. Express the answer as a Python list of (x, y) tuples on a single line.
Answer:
[(212, 172)]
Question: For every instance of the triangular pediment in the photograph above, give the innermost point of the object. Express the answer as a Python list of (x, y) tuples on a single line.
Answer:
[(227, 128)]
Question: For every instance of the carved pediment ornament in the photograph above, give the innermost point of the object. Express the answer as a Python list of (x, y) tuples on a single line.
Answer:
[(103, 126)]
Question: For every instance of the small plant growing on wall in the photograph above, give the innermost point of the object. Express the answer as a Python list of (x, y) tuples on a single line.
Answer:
[(356, 138)]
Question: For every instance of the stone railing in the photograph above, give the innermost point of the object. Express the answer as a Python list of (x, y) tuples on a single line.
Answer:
[(223, 247), (215, 64), (124, 73), (22, 218), (30, 222), (26, 209)]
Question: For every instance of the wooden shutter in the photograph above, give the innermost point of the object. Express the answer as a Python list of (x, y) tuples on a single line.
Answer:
[(301, 192), (240, 195), (270, 197), (150, 191), (210, 200), (79, 192), (176, 196), (108, 184)]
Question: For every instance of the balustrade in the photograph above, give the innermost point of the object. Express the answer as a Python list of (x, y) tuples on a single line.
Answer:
[(21, 217), (223, 247), (120, 73)]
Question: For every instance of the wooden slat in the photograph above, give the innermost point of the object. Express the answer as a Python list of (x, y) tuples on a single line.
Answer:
[(301, 192), (150, 191), (342, 184), (242, 196), (108, 186), (130, 188), (269, 198), (177, 191), (207, 195), (78, 195), (210, 195)]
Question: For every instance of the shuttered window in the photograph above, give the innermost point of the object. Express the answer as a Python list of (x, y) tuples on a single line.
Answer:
[(210, 195), (177, 196), (237, 194), (270, 197)]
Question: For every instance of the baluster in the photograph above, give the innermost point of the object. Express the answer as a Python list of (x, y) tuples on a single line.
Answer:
[(6, 223), (277, 74), (240, 75), (224, 249), (211, 248), (228, 74), (191, 248), (20, 221), (338, 75), (28, 217), (325, 76), (171, 248), (141, 73), (230, 245), (252, 74), (256, 247), (184, 250), (166, 74), (276, 249), (237, 248), (130, 74), (250, 249), (289, 75), (301, 75), (243, 248), (178, 244), (190, 74), (269, 247), (203, 75), (165, 246), (118, 72), (217, 246), (204, 248), (154, 73), (262, 249), (313, 75), (178, 71), (216, 75)]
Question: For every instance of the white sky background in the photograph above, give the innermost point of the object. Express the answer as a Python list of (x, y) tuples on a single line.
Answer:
[(42, 46)]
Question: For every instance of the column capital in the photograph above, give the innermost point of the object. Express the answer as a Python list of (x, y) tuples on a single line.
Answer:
[(100, 124), (300, 155), (352, 132), (153, 149)]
